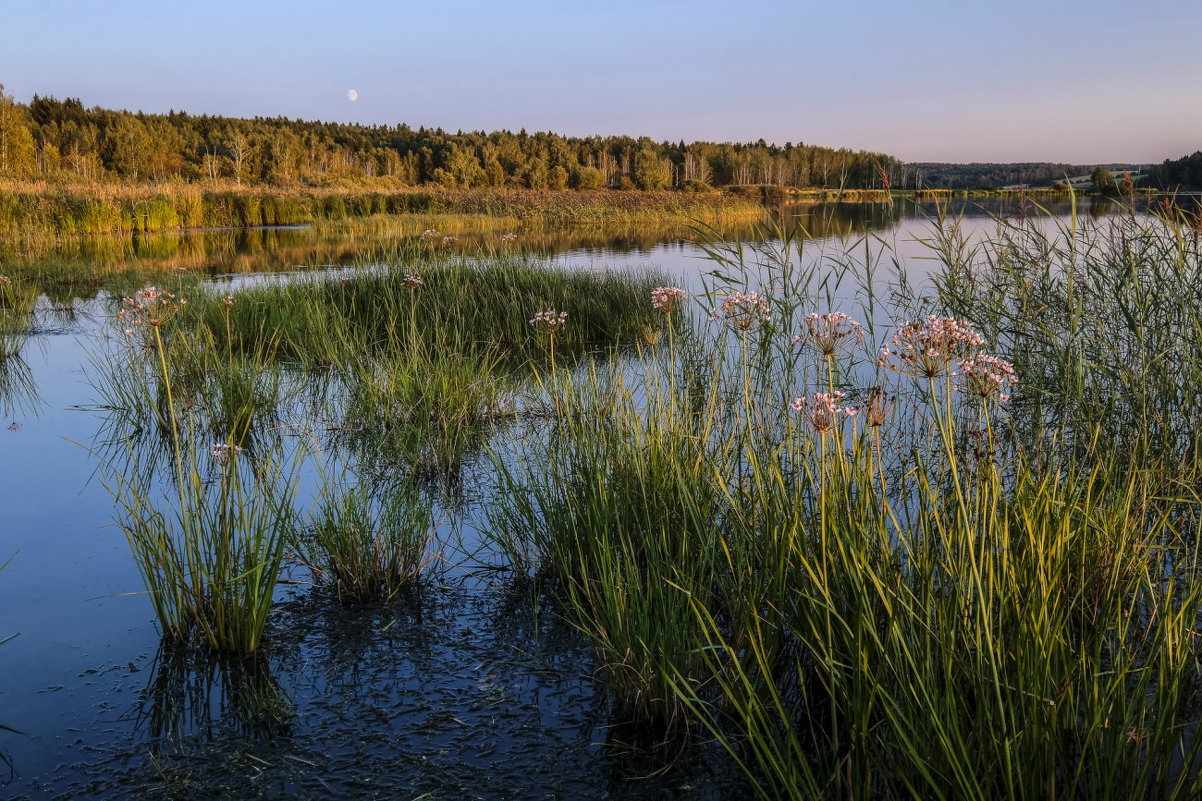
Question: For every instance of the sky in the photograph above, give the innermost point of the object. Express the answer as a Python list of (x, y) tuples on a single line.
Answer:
[(923, 80)]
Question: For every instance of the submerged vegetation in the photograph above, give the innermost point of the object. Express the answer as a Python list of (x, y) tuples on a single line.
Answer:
[(872, 538)]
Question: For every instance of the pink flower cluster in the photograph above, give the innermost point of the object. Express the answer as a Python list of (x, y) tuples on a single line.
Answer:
[(827, 332), (823, 410), (549, 321), (150, 306), (987, 375), (929, 347), (667, 298), (509, 237), (413, 281), (743, 310), (222, 453), (449, 239), (430, 233)]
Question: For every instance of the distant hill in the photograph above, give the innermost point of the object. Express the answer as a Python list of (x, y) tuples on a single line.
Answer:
[(938, 175)]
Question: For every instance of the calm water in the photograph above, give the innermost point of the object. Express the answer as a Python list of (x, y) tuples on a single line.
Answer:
[(464, 692)]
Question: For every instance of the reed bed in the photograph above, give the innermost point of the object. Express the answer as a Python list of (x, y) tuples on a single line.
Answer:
[(38, 210), (446, 302), (401, 372), (905, 582), (874, 541), (208, 520)]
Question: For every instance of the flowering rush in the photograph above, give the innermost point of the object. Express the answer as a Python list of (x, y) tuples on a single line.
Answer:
[(549, 321), (509, 237), (150, 307), (430, 233), (743, 310), (222, 453), (929, 347), (823, 411), (877, 410), (413, 281), (985, 376), (667, 298), (827, 332)]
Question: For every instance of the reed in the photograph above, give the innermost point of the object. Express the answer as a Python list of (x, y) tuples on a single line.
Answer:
[(367, 544), (17, 302), (609, 518), (471, 305), (210, 540), (210, 548)]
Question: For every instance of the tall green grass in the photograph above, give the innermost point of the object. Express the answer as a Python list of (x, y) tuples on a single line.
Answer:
[(942, 595), (18, 390), (403, 374), (368, 544), (208, 522)]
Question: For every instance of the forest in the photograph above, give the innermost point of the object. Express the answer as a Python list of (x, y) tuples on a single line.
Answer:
[(64, 141), (1185, 172)]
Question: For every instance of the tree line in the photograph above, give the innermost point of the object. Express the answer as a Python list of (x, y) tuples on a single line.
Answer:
[(937, 175), (63, 140), (1182, 173)]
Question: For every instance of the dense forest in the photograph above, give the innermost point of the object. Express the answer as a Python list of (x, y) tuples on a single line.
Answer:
[(1185, 172), (50, 139), (934, 175)]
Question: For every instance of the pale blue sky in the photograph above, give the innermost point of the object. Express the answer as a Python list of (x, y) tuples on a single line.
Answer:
[(926, 80)]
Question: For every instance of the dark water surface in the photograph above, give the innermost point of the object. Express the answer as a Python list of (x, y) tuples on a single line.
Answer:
[(465, 691)]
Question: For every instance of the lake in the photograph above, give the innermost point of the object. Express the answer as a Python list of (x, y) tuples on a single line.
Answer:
[(465, 690)]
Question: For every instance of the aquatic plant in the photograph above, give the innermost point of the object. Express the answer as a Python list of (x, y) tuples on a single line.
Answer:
[(743, 310), (828, 333), (823, 411), (368, 544), (668, 299), (907, 589), (210, 549), (848, 563), (930, 347), (210, 545), (549, 322)]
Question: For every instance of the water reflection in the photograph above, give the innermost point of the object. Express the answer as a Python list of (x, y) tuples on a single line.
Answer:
[(840, 220), (226, 251), (18, 389), (199, 693)]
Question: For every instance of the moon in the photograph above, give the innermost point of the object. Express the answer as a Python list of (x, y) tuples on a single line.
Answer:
[(352, 95)]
